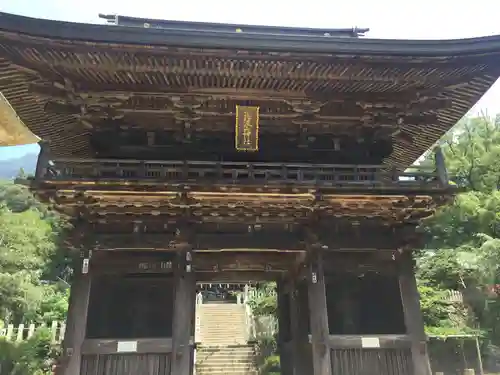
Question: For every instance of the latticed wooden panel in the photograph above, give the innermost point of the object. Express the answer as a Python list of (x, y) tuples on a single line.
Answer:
[(391, 361), (126, 364)]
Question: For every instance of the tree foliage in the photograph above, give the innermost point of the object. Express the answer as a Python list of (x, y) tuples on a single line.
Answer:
[(462, 250), (33, 277)]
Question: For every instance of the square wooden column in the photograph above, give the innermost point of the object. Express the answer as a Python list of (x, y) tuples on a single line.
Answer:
[(299, 308), (184, 315), (76, 321), (283, 332), (318, 315), (413, 315)]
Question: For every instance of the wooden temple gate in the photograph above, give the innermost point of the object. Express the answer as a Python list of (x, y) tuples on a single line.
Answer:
[(186, 152)]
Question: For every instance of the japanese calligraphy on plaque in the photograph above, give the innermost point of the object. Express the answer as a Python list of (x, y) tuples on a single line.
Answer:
[(247, 128)]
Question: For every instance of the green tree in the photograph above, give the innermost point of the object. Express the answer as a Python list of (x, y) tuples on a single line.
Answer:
[(463, 248), (32, 260)]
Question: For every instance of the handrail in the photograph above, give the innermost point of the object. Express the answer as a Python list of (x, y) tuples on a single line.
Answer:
[(204, 162), (234, 172)]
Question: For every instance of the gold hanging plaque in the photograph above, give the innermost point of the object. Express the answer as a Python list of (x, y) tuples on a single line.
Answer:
[(247, 128)]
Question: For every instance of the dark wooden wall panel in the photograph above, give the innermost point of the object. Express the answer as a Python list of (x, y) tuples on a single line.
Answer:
[(131, 306), (126, 364), (372, 362)]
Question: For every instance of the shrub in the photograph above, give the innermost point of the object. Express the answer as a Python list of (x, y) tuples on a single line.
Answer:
[(31, 357)]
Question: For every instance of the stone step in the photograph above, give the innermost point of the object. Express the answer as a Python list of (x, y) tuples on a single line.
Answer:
[(227, 349), (228, 326), (225, 372), (225, 342), (224, 362), (224, 332), (228, 367), (221, 318)]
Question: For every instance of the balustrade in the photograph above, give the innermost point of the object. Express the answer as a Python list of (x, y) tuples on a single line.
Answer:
[(188, 172)]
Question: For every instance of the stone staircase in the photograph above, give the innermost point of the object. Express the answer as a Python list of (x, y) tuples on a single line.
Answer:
[(227, 360), (221, 324), (222, 339)]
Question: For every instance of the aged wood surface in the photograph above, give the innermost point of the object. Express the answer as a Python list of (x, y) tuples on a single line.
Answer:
[(387, 361), (126, 364), (382, 238), (234, 207), (413, 315), (299, 317), (77, 318), (238, 174), (283, 310), (356, 341), (184, 311), (318, 314), (370, 93), (111, 346)]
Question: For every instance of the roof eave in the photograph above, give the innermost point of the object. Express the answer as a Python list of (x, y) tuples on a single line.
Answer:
[(245, 41), (13, 132)]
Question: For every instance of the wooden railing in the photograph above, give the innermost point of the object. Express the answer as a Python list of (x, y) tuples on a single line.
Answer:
[(235, 173)]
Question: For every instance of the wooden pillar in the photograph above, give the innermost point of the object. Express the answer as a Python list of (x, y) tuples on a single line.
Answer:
[(413, 315), (43, 160), (184, 315), (283, 332), (76, 322), (299, 308), (318, 315), (441, 166)]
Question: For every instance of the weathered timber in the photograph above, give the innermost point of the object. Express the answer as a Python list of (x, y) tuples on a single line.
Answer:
[(299, 317), (413, 315), (43, 160), (71, 357), (111, 346), (167, 207), (358, 341), (133, 363), (348, 361), (331, 235), (243, 261), (238, 276), (283, 307), (239, 173), (407, 92), (441, 166), (130, 263), (318, 314), (184, 314)]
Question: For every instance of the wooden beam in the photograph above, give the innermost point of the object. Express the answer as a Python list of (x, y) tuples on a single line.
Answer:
[(358, 114), (110, 346), (238, 276), (393, 100), (286, 70)]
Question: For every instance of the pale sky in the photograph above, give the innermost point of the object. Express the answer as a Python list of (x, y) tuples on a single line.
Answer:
[(395, 19)]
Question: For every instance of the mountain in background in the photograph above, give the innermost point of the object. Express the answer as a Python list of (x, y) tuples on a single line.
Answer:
[(9, 168)]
